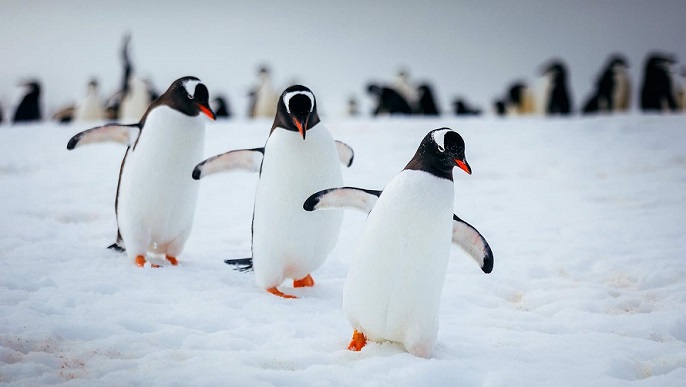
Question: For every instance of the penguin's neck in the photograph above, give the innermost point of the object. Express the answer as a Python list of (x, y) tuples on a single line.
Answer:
[(421, 162)]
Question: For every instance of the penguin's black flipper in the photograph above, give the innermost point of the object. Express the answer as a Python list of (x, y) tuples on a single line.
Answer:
[(343, 197), (469, 238), (345, 153), (123, 134), (242, 264), (116, 247), (245, 159)]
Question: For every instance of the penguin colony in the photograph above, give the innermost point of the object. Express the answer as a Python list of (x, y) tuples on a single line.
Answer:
[(295, 225)]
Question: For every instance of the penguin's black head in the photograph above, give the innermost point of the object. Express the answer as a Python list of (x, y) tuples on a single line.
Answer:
[(297, 110), (618, 60), (659, 63), (32, 86), (439, 152), (189, 96), (556, 69)]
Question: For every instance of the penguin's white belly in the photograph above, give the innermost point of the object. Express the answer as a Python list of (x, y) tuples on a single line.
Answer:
[(289, 242), (157, 195), (392, 291), (90, 110)]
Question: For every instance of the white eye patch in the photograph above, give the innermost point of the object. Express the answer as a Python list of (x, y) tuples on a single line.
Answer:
[(287, 98), (190, 86), (439, 138)]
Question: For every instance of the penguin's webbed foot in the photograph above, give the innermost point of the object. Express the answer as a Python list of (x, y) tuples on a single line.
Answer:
[(307, 281), (140, 262), (358, 341), (172, 260), (279, 293)]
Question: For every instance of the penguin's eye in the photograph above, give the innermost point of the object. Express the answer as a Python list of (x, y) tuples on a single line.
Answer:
[(441, 148), (190, 96)]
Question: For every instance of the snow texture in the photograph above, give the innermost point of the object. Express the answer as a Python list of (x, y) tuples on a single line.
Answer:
[(585, 218)]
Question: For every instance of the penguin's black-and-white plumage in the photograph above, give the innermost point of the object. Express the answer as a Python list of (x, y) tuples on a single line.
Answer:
[(388, 101), (558, 99), (156, 197), (29, 109), (657, 93), (427, 102), (612, 89), (91, 108), (393, 288), (300, 157), (520, 100), (263, 98)]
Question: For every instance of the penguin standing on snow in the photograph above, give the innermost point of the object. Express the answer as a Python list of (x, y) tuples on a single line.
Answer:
[(612, 90), (29, 108), (300, 157), (656, 92), (156, 198), (263, 99), (393, 288), (91, 109), (558, 98)]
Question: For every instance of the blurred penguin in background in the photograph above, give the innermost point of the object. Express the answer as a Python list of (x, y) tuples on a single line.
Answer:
[(388, 101), (657, 94), (409, 92), (352, 108), (462, 108), (612, 89), (427, 103), (91, 109), (681, 95), (557, 96), (221, 107), (135, 102), (520, 100), (499, 107), (29, 109), (263, 98)]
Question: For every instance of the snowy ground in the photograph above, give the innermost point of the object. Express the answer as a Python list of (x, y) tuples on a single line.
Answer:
[(585, 218)]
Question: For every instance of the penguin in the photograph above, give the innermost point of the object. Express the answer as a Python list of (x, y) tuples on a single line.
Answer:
[(462, 108), (389, 101), (612, 89), (656, 91), (558, 98), (393, 288), (299, 157), (221, 107), (29, 109), (427, 103), (135, 101), (91, 109), (263, 98), (520, 100), (402, 85), (156, 198)]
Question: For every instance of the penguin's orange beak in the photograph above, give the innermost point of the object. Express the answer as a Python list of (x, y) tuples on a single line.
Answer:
[(207, 111), (302, 128), (463, 165)]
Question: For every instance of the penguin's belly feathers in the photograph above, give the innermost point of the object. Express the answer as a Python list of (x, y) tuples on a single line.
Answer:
[(289, 242), (392, 291), (157, 197)]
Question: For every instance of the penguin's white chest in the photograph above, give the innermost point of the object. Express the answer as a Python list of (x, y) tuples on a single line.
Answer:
[(393, 288), (157, 197), (289, 242)]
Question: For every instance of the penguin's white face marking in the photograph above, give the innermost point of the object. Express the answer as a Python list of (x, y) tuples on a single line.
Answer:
[(439, 138), (190, 86), (287, 99)]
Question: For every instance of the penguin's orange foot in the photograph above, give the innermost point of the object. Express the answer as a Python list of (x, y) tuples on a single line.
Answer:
[(172, 260), (304, 282), (279, 293), (140, 262), (357, 342)]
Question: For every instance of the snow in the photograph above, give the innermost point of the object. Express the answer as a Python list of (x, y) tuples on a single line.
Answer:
[(585, 217)]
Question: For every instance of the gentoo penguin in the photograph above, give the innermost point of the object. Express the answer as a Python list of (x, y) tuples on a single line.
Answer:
[(403, 86), (29, 108), (135, 102), (221, 107), (427, 103), (612, 89), (558, 99), (91, 109), (388, 101), (263, 97), (520, 100), (462, 108), (393, 288), (156, 198), (300, 157), (656, 92)]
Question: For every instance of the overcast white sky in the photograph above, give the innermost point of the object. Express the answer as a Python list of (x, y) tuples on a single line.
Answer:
[(468, 48)]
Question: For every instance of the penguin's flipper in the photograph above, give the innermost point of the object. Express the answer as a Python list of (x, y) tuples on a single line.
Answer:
[(123, 134), (343, 197), (345, 153), (245, 159), (242, 264), (469, 238)]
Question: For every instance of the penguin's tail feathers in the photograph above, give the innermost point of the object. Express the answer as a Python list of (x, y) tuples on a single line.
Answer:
[(241, 264)]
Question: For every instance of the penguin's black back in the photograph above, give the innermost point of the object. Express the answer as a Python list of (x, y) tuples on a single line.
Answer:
[(29, 108)]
